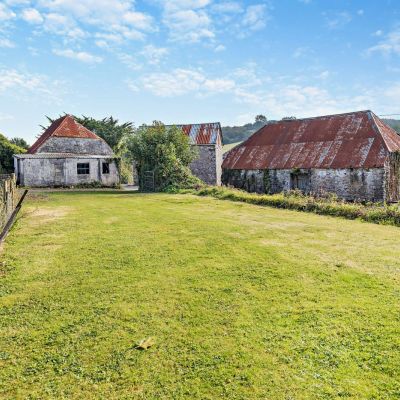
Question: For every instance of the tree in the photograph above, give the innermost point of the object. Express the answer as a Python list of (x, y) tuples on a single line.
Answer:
[(7, 150), (261, 118), (20, 142), (108, 129), (167, 152)]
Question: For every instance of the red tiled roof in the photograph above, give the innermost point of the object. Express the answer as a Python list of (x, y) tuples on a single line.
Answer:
[(353, 140), (64, 126)]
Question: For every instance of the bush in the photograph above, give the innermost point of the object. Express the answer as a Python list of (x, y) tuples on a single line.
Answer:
[(167, 153), (295, 200)]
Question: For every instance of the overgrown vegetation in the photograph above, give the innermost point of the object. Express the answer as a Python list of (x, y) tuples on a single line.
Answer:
[(295, 200), (243, 302), (7, 150), (167, 153)]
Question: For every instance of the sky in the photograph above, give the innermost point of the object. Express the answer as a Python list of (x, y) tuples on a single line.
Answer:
[(187, 61)]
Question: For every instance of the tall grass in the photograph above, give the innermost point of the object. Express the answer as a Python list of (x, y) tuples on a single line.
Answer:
[(377, 213)]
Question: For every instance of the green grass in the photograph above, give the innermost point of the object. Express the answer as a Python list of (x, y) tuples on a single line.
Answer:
[(229, 146), (243, 301)]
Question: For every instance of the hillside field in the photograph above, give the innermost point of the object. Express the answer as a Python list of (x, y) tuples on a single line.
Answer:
[(242, 301)]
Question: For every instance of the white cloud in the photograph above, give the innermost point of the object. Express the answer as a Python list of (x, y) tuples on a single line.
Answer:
[(188, 25), (6, 43), (360, 12), (228, 7), (183, 81), (13, 79), (74, 19), (129, 61), (219, 48), (6, 13), (62, 25), (78, 55), (389, 45), (337, 20), (255, 17), (154, 54), (32, 16)]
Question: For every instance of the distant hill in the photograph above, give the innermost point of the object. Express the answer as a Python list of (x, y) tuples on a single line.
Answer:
[(394, 123), (237, 134), (234, 134)]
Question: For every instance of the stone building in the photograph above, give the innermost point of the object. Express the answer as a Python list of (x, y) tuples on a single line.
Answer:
[(354, 155), (207, 138), (67, 154)]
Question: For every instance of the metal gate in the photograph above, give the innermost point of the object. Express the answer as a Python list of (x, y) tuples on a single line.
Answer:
[(148, 181)]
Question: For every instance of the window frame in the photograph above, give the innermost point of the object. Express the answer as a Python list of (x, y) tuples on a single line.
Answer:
[(83, 168)]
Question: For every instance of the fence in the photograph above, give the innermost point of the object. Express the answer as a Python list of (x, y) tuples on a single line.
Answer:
[(8, 197)]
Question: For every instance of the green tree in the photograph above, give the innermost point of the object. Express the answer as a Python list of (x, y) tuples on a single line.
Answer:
[(7, 150), (20, 142), (260, 118), (167, 152)]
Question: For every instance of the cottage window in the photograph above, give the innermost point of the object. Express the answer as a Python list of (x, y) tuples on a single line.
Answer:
[(106, 168), (83, 169)]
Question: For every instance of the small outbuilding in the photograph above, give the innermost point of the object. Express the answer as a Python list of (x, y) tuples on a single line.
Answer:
[(207, 138), (354, 155), (67, 154)]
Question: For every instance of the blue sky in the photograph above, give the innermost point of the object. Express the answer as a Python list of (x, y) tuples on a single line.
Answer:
[(182, 61)]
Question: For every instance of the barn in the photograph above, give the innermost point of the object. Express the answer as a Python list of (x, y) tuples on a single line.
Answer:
[(354, 155), (67, 154), (207, 138)]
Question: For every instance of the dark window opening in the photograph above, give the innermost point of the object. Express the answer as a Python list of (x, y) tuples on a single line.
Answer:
[(106, 168), (83, 169)]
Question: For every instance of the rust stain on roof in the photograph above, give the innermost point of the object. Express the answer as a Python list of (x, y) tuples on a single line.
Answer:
[(206, 133), (65, 126), (353, 140)]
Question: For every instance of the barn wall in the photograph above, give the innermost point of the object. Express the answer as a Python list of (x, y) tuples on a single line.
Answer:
[(349, 184), (392, 173), (75, 145), (48, 172), (207, 166)]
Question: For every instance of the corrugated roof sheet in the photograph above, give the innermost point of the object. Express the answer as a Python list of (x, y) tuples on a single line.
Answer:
[(60, 155), (353, 140), (206, 133), (64, 126)]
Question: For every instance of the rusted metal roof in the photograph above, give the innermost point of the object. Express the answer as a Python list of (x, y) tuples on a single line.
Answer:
[(64, 126), (206, 133), (353, 140)]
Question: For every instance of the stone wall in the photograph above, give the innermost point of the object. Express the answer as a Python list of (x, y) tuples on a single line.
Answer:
[(207, 166), (392, 181), (349, 184), (75, 146), (45, 172)]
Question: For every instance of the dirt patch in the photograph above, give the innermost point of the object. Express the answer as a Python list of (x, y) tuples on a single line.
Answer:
[(44, 215)]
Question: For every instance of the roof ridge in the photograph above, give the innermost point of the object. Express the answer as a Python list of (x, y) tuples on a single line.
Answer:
[(320, 116)]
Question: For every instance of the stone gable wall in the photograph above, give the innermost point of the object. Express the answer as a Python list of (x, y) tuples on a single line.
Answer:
[(207, 166), (75, 145)]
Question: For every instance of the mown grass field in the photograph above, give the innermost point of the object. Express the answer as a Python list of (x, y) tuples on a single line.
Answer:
[(243, 302)]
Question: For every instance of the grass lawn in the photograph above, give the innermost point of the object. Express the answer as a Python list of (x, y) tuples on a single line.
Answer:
[(243, 302)]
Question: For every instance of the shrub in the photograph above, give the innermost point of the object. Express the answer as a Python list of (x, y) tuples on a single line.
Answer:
[(166, 152)]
